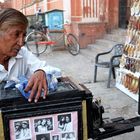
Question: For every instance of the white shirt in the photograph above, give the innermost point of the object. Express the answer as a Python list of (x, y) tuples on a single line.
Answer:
[(25, 133), (68, 127), (25, 63)]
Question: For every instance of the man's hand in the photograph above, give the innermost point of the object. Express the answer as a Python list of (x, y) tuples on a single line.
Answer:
[(37, 83)]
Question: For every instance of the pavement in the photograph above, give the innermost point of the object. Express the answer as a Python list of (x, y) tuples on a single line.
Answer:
[(81, 68)]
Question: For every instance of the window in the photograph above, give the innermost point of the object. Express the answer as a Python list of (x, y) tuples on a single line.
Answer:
[(89, 8)]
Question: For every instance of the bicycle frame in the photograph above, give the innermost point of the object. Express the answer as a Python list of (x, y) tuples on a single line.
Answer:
[(44, 38)]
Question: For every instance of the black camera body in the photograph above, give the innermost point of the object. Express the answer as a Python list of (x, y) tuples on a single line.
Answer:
[(69, 100)]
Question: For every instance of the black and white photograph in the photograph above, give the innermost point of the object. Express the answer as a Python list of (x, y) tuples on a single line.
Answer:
[(43, 137), (68, 136), (43, 125), (64, 136), (22, 129), (65, 123), (55, 137)]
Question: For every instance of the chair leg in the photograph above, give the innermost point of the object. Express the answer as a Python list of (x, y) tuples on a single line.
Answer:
[(109, 77), (113, 72), (95, 74)]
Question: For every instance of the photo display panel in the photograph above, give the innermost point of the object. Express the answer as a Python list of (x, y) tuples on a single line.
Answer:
[(59, 126)]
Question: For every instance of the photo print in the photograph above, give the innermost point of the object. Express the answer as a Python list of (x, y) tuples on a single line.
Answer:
[(22, 130), (43, 125), (65, 123), (55, 137), (43, 137), (68, 136)]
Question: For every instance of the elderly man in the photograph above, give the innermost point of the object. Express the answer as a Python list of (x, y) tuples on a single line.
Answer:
[(16, 60)]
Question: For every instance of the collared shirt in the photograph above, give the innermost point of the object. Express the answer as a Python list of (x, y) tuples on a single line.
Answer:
[(25, 63)]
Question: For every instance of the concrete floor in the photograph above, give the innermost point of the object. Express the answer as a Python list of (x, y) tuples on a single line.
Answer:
[(81, 68)]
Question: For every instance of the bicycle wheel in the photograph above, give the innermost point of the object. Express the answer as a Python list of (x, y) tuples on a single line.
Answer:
[(36, 42), (72, 44)]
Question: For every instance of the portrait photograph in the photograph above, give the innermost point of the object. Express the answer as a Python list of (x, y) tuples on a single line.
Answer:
[(68, 136), (43, 125), (65, 123), (43, 137), (22, 130), (55, 137)]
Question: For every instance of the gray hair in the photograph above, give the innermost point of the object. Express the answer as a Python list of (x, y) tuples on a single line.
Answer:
[(11, 17)]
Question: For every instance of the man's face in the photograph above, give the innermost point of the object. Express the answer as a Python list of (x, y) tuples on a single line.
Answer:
[(12, 40), (24, 125)]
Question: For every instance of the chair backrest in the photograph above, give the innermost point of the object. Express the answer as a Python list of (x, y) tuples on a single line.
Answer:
[(118, 50)]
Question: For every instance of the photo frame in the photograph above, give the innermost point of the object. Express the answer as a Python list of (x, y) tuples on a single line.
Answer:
[(45, 125)]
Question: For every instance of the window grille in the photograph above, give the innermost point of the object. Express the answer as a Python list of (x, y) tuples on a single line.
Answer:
[(90, 8)]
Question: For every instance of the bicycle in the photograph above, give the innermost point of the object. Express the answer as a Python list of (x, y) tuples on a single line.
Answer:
[(40, 39)]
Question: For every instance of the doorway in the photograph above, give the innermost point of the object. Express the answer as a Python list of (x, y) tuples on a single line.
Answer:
[(124, 13)]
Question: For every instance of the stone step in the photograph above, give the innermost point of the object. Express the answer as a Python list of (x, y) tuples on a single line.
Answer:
[(105, 43), (117, 35), (98, 48), (114, 37), (121, 32), (109, 40)]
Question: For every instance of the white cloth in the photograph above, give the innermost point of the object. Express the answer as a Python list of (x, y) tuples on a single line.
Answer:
[(25, 63)]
